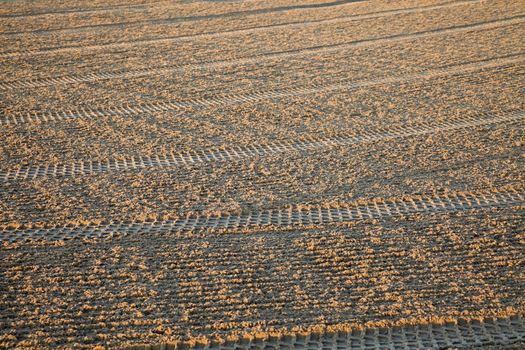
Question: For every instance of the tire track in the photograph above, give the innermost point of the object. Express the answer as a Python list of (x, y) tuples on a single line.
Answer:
[(448, 335), (80, 10), (127, 44), (228, 154), (233, 14), (454, 99), (281, 218), (26, 203), (220, 101), (76, 79)]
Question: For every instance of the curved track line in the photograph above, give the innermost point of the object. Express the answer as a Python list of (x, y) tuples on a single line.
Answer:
[(472, 81), (82, 11), (75, 79), (450, 335), (122, 25), (242, 152), (237, 31), (175, 106), (283, 218)]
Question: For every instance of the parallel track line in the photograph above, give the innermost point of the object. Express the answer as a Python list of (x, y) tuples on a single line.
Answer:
[(195, 18), (283, 218), (234, 153), (176, 106), (449, 335), (72, 11), (235, 32)]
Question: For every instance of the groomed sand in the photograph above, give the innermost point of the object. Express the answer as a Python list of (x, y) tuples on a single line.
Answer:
[(244, 174)]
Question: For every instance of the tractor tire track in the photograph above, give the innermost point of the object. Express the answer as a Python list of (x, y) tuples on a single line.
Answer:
[(228, 154), (90, 77), (80, 10), (235, 32), (281, 218), (448, 335), (219, 101), (233, 14), (472, 81)]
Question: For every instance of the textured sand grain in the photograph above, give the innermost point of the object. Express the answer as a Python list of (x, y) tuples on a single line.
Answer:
[(116, 115)]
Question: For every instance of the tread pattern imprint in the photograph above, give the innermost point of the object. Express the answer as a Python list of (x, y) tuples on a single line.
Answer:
[(234, 175)]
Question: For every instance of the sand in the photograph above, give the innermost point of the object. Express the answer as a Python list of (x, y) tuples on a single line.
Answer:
[(290, 174)]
